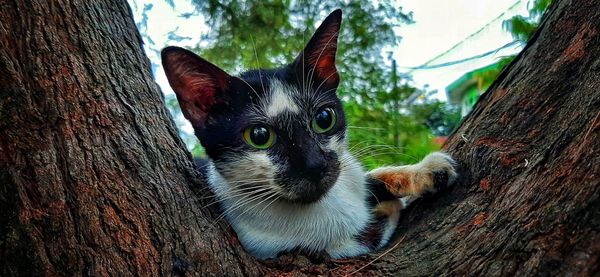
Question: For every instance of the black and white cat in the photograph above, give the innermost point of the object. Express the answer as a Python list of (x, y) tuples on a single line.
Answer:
[(279, 161)]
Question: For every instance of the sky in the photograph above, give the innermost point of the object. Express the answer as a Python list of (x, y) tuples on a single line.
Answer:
[(474, 27)]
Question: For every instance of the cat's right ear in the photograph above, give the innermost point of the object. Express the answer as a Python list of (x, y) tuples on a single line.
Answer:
[(316, 63), (200, 86)]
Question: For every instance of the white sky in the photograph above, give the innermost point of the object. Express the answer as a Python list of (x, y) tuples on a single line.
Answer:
[(439, 25)]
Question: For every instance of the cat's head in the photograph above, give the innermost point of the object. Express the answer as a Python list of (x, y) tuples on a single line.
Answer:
[(280, 129)]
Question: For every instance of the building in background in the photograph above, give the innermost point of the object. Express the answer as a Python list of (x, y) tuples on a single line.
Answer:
[(465, 91)]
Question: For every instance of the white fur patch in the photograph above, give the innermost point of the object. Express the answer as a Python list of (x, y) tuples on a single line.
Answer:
[(253, 169), (390, 227), (336, 144), (281, 99)]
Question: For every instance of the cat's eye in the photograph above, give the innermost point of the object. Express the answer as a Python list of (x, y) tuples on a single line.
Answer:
[(324, 120), (259, 136)]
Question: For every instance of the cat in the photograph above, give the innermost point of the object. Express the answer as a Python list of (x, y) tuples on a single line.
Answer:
[(278, 157)]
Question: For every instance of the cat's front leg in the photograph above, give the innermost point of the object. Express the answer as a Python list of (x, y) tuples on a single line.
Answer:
[(437, 170)]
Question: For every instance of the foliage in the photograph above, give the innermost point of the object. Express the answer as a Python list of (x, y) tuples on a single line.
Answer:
[(522, 27), (486, 78), (255, 33), (440, 117), (378, 138)]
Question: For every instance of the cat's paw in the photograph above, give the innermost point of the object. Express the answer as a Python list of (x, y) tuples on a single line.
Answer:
[(433, 173), (440, 168)]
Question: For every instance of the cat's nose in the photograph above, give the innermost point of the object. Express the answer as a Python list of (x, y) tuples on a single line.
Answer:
[(315, 166)]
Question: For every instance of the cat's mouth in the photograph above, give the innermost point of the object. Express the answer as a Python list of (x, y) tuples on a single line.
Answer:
[(308, 189)]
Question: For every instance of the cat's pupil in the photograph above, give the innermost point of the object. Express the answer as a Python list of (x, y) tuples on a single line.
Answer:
[(260, 135), (324, 118)]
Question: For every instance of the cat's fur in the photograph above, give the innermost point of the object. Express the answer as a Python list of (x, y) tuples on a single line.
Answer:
[(305, 192)]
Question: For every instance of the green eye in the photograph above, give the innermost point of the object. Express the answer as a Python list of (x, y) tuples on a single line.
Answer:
[(259, 136), (324, 120)]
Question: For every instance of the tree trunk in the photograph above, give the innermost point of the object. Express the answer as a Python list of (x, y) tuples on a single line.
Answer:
[(94, 178), (95, 181)]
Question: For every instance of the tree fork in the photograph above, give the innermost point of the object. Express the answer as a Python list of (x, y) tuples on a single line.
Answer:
[(94, 179)]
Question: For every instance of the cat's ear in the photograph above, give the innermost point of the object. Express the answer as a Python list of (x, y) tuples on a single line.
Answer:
[(317, 61), (200, 86)]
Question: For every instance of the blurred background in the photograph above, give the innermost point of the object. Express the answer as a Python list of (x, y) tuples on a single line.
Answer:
[(410, 69)]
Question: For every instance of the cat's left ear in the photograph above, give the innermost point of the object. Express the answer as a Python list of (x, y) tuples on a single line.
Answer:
[(316, 63), (201, 87)]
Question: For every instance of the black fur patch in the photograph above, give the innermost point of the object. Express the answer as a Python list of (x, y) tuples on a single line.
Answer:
[(440, 180), (379, 193), (372, 235)]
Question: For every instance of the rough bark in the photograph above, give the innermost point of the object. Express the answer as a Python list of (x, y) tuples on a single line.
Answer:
[(94, 179), (528, 199)]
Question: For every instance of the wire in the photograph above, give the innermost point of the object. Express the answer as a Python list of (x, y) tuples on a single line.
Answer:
[(469, 37), (424, 66)]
